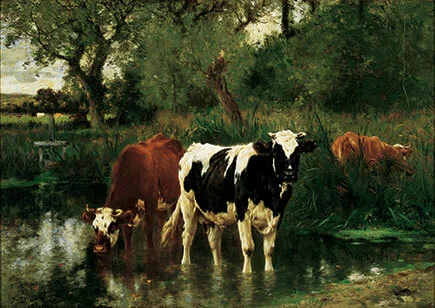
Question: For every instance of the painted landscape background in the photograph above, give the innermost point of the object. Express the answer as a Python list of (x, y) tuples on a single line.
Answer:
[(222, 72)]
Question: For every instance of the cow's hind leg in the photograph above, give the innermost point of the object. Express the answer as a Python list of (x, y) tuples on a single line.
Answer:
[(190, 224), (245, 233), (214, 234)]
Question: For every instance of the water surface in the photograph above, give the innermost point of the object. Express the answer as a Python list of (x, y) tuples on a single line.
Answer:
[(47, 260)]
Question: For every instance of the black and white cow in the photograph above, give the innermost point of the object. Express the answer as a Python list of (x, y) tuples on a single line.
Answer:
[(248, 184)]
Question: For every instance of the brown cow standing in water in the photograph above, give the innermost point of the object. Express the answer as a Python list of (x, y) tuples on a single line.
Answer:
[(351, 147), (144, 183)]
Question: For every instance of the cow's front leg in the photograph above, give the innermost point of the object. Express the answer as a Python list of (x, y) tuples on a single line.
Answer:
[(127, 234), (269, 247), (150, 213), (214, 234), (247, 242)]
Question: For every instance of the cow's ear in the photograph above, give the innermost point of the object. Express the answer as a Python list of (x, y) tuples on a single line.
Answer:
[(262, 147), (126, 217), (307, 146), (88, 216), (272, 135), (300, 135)]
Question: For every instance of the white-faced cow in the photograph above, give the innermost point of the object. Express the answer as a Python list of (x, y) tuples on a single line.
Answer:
[(144, 183), (245, 184)]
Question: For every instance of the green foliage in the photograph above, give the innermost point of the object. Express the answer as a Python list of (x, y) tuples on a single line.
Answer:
[(212, 128), (172, 60), (49, 100), (352, 60), (130, 102)]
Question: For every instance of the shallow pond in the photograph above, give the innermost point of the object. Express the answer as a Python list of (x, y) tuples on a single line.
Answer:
[(47, 260)]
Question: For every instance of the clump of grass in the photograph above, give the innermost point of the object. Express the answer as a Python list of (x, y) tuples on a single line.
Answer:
[(211, 127), (19, 158), (332, 197)]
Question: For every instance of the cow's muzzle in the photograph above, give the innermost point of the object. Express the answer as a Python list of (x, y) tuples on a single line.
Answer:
[(290, 176), (100, 249)]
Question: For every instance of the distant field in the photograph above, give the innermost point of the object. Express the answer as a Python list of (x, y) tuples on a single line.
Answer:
[(13, 103), (15, 98)]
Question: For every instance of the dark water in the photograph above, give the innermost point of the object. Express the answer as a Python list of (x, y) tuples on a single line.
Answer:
[(47, 260)]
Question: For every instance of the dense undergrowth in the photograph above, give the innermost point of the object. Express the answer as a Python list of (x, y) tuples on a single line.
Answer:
[(325, 198)]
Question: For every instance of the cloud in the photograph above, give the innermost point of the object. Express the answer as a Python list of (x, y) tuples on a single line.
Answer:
[(17, 78)]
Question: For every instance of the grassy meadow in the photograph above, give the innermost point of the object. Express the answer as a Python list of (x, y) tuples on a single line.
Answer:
[(325, 198)]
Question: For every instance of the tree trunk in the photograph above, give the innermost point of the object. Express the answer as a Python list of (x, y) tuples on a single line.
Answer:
[(94, 91), (286, 28), (92, 85), (217, 82)]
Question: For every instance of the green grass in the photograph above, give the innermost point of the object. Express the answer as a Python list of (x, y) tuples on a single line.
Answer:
[(326, 198)]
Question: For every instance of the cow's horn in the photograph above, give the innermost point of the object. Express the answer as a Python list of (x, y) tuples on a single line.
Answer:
[(89, 210), (118, 212)]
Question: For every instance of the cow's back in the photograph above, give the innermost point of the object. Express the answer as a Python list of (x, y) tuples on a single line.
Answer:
[(146, 170), (166, 154), (346, 147)]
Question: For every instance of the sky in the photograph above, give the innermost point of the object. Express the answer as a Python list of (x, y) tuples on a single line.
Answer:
[(15, 78)]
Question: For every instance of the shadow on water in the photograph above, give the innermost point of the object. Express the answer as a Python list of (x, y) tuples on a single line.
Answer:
[(47, 259)]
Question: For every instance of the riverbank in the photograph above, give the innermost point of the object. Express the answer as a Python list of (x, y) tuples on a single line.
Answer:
[(411, 288)]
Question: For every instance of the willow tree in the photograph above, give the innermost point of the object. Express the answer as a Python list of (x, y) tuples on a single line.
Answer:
[(83, 33)]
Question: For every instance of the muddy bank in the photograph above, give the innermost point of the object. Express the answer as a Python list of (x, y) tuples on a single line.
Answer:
[(412, 288)]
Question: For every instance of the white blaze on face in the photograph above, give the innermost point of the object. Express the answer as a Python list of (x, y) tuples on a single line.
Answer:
[(102, 221), (287, 139)]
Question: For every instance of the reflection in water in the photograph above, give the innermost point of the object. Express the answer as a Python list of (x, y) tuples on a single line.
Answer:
[(47, 258), (31, 258)]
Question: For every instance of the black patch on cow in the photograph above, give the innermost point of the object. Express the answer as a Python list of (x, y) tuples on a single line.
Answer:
[(212, 190), (193, 179)]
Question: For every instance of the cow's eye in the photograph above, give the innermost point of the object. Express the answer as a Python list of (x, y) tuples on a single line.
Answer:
[(112, 228)]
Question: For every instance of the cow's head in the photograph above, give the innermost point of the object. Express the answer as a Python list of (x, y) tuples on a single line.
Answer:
[(405, 151), (106, 223), (286, 148)]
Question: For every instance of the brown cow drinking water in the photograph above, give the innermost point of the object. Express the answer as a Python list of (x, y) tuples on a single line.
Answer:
[(144, 183)]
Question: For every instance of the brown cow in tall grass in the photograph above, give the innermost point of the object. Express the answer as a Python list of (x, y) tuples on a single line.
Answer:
[(351, 147), (144, 183)]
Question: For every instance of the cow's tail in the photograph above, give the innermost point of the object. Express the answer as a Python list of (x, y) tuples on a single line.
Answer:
[(172, 229)]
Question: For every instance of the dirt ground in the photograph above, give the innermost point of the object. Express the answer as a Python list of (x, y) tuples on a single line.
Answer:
[(414, 288)]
